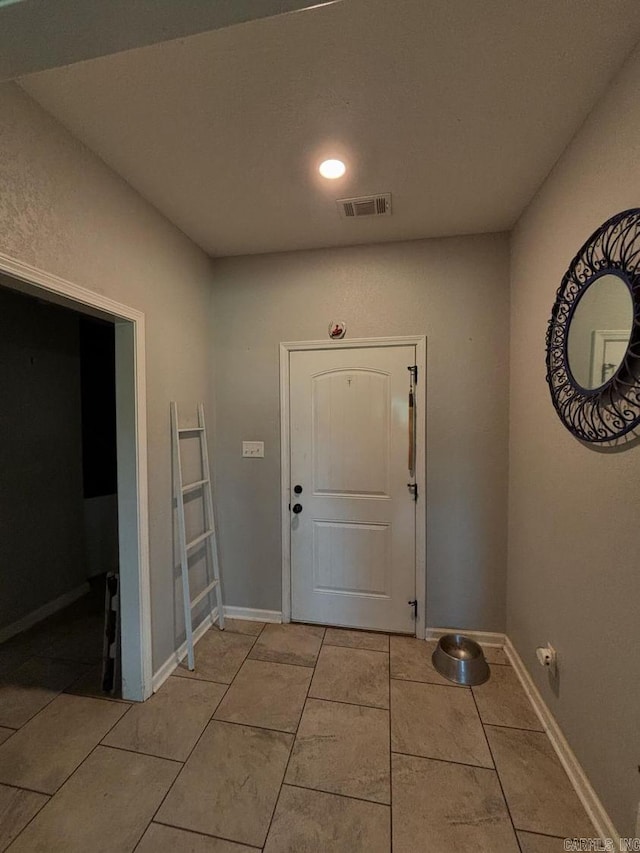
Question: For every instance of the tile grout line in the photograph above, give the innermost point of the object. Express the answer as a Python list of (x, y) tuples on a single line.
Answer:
[(197, 832), (105, 698), (255, 725), (49, 798), (355, 648), (139, 752), (206, 725), (253, 637), (61, 786), (316, 699), (543, 834), (63, 692), (294, 734), (518, 728), (44, 707), (431, 683), (528, 731), (282, 663), (445, 760), (495, 764), (353, 704), (252, 726), (197, 678), (29, 790), (337, 794), (293, 745)]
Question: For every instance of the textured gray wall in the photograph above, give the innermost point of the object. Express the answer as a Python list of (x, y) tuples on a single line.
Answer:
[(64, 211), (574, 536), (41, 522), (456, 292)]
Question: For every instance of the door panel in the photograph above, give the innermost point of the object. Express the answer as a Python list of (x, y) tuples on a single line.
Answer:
[(351, 558), (350, 439), (353, 543)]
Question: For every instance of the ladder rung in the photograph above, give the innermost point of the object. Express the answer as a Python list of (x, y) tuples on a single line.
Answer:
[(204, 593), (199, 539), (190, 487), (190, 429)]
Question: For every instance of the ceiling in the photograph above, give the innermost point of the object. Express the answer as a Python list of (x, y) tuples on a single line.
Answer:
[(457, 108)]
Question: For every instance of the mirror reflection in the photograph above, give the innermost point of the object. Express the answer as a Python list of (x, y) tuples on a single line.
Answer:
[(600, 331)]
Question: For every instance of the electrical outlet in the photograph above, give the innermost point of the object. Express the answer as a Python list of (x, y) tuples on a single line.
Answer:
[(253, 449)]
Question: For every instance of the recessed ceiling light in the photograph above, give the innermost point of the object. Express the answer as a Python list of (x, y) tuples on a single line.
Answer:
[(332, 169)]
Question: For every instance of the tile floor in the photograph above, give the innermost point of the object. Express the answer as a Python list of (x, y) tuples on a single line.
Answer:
[(290, 739)]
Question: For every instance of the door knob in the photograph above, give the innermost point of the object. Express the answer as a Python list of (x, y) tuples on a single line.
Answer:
[(297, 508)]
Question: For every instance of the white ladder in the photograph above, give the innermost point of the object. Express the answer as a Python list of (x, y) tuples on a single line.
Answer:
[(208, 537)]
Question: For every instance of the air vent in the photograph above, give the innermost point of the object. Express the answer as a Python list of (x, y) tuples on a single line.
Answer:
[(366, 205)]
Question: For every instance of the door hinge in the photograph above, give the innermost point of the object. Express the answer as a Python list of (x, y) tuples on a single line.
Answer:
[(413, 370), (414, 603), (413, 488)]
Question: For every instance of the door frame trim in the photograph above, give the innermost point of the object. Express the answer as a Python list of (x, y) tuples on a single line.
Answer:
[(420, 343), (131, 436)]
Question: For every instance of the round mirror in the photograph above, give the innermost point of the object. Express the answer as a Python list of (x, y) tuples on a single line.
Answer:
[(599, 331), (593, 336)]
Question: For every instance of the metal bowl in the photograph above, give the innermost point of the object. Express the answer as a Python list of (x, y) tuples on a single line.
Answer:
[(461, 660)]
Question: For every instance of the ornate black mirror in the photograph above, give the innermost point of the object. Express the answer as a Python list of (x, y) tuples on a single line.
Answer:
[(593, 339)]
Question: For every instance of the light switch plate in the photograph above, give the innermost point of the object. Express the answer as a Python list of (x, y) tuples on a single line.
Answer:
[(253, 449)]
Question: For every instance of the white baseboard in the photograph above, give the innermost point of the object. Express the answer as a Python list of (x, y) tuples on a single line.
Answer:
[(175, 658), (248, 613), (253, 615), (590, 800), (43, 612), (485, 638)]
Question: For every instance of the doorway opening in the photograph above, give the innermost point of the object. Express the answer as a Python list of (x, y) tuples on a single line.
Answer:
[(59, 484), (75, 603)]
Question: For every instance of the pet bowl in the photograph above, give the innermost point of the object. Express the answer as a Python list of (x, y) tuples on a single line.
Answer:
[(461, 660)]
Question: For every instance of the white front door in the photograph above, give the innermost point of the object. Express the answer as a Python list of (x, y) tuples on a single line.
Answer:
[(353, 518)]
